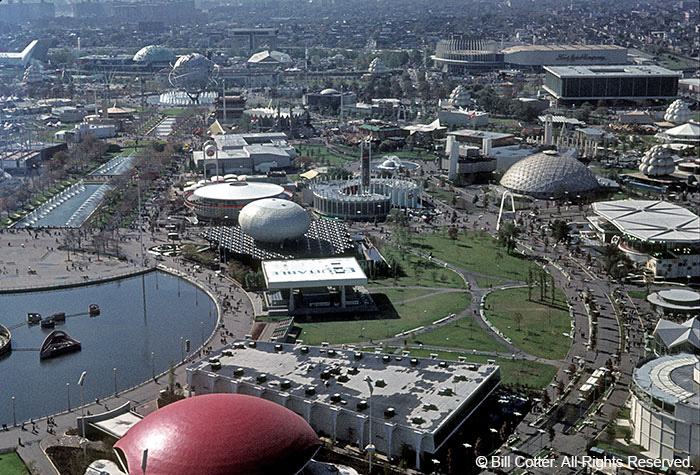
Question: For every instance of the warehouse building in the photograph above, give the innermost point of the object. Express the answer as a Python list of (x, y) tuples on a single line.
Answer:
[(586, 83), (413, 403), (536, 56)]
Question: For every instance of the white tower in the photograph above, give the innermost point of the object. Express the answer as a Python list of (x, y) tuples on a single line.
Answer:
[(452, 149), (548, 125)]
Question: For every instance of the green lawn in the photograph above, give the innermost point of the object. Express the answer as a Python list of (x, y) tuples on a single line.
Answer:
[(173, 111), (392, 320), (527, 373), (465, 333), (11, 464), (321, 154), (441, 194), (477, 252), (543, 326), (638, 294), (418, 271), (400, 294)]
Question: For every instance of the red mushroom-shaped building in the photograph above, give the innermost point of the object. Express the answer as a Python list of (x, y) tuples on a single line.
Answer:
[(219, 434)]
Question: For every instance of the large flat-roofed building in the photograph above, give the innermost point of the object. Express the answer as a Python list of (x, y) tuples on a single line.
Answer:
[(247, 153), (417, 403), (665, 413), (316, 276), (536, 56), (583, 83), (460, 55)]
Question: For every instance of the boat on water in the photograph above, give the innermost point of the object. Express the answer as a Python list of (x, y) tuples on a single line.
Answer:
[(94, 309), (33, 318), (48, 322), (59, 316), (57, 343)]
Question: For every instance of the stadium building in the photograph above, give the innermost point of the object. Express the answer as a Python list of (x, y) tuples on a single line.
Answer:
[(590, 83), (223, 201), (458, 56), (415, 403)]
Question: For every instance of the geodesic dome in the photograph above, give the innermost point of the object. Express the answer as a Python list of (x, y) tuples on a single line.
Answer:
[(154, 54), (657, 162), (678, 112), (548, 174)]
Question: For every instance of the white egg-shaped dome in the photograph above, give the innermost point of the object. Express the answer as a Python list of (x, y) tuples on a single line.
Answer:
[(273, 220), (657, 162)]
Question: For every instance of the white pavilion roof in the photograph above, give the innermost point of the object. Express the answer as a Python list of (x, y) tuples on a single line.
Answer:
[(653, 221)]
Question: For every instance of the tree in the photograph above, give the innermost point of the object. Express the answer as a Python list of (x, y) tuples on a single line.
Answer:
[(507, 236), (560, 230), (453, 233), (518, 319)]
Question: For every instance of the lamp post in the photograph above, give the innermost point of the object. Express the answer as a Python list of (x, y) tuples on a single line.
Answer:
[(153, 364), (370, 448), (115, 381), (68, 395), (81, 381), (14, 416), (182, 348)]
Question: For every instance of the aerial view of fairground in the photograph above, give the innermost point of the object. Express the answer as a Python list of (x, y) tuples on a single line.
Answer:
[(354, 237)]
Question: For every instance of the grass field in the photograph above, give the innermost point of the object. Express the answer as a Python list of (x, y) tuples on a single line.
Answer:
[(638, 294), (400, 294), (465, 333), (321, 154), (527, 373), (418, 272), (11, 464), (441, 194), (173, 111), (543, 326), (477, 252), (389, 322)]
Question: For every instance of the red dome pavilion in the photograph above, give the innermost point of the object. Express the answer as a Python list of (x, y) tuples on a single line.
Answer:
[(219, 434)]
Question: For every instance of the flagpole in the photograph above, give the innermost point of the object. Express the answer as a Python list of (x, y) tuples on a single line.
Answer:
[(138, 187)]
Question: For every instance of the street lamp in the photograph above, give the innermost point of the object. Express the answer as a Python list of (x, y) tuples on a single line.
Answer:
[(81, 381), (68, 395), (14, 416), (153, 364), (370, 447), (115, 381)]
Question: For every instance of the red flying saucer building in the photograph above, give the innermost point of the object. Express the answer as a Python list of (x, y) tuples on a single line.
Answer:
[(219, 434)]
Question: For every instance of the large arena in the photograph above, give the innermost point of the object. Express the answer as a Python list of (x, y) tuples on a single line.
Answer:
[(348, 200), (459, 55), (223, 201)]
